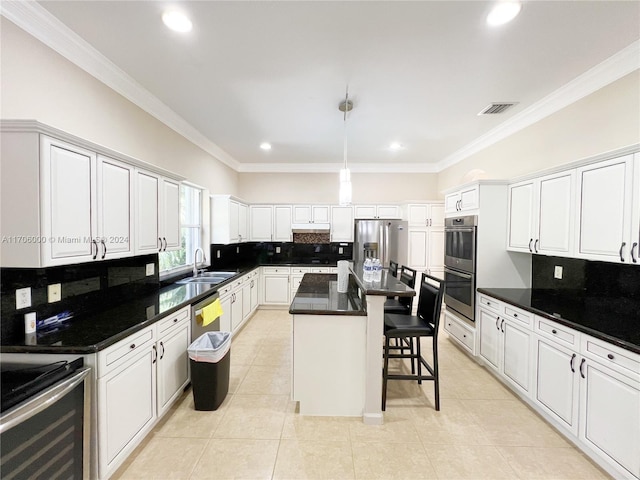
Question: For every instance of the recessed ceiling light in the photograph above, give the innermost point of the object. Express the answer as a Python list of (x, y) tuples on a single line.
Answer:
[(395, 146), (503, 12), (177, 21), (265, 146)]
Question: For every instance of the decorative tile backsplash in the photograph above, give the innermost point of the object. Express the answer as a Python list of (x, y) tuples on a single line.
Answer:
[(311, 238)]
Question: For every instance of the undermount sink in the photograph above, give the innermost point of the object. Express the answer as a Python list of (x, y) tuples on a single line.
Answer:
[(212, 278)]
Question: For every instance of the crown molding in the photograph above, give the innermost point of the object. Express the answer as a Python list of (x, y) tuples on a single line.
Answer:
[(38, 22), (615, 67), (335, 168)]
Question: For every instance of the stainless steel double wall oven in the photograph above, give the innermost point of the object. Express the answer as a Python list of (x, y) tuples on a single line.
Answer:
[(460, 264)]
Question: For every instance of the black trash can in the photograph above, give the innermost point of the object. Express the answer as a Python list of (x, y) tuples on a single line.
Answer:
[(210, 358)]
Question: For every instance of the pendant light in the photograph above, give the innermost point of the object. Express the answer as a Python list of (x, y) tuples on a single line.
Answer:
[(345, 175)]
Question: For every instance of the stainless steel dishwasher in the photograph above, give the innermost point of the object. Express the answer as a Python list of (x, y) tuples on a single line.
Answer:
[(196, 317)]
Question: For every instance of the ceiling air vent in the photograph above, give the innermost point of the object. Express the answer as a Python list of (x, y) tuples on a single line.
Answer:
[(495, 108)]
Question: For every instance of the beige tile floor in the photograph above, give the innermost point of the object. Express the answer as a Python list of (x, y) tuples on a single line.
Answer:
[(481, 432)]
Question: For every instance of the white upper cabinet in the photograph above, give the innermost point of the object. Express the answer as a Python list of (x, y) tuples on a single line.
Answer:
[(229, 220), (282, 223), (541, 215), (377, 211), (69, 199), (606, 214), (466, 199), (115, 208), (157, 213), (311, 214), (425, 215), (341, 224), (261, 223)]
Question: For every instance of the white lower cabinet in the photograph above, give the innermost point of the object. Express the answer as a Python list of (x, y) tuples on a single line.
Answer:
[(460, 332), (137, 380), (588, 388), (239, 300), (275, 282)]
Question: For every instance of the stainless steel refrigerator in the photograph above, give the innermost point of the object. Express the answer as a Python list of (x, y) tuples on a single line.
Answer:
[(383, 239)]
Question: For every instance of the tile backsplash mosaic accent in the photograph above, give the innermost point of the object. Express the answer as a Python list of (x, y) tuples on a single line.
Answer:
[(310, 238), (84, 287)]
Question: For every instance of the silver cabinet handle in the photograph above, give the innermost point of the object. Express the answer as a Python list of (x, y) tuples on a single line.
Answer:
[(581, 365), (621, 249), (155, 354), (95, 255), (165, 244), (535, 245), (104, 248), (497, 325), (160, 242), (162, 354), (530, 241), (634, 259), (502, 326)]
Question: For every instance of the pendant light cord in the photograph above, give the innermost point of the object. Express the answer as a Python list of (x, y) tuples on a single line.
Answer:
[(346, 109)]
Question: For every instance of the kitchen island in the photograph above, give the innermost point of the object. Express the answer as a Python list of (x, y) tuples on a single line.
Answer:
[(337, 344)]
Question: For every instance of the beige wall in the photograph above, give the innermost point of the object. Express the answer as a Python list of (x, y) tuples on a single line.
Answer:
[(38, 83), (605, 120), (323, 187)]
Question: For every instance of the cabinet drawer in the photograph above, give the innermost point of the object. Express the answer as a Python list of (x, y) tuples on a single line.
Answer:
[(491, 303), (319, 269), (177, 318), (124, 349), (520, 316), (225, 290), (561, 334), (621, 360), (276, 270), (462, 334), (295, 270)]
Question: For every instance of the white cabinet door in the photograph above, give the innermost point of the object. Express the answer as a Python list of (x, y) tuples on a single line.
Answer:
[(173, 365), (435, 260), (452, 202), (418, 215), (605, 195), (127, 399), (236, 310), (365, 211), (635, 212), (115, 208), (522, 214), (341, 224), (234, 213), (418, 244), (69, 216), (555, 221), (556, 385), (470, 198), (261, 223), (282, 223), (490, 338), (225, 318), (302, 214), (147, 197), (254, 293), (320, 214), (246, 300), (243, 222), (388, 211), (276, 289), (516, 355), (610, 415), (170, 215)]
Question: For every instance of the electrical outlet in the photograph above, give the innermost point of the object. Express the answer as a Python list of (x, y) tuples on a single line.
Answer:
[(237, 249), (277, 249), (23, 298), (557, 272), (150, 269), (340, 250), (217, 253), (54, 292)]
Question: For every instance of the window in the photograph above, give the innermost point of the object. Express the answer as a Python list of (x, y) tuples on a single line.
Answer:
[(190, 230)]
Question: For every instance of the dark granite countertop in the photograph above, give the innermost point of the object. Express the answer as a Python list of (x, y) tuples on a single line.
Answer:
[(111, 323), (615, 320), (318, 295), (388, 286)]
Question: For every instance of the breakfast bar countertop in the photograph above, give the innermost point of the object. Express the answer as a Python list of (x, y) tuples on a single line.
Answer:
[(318, 295)]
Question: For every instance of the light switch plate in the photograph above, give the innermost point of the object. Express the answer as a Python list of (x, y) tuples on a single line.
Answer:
[(277, 249), (54, 292), (237, 249), (557, 272), (217, 253), (23, 298), (340, 250), (150, 269)]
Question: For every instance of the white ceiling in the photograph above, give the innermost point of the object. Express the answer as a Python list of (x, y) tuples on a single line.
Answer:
[(418, 72)]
